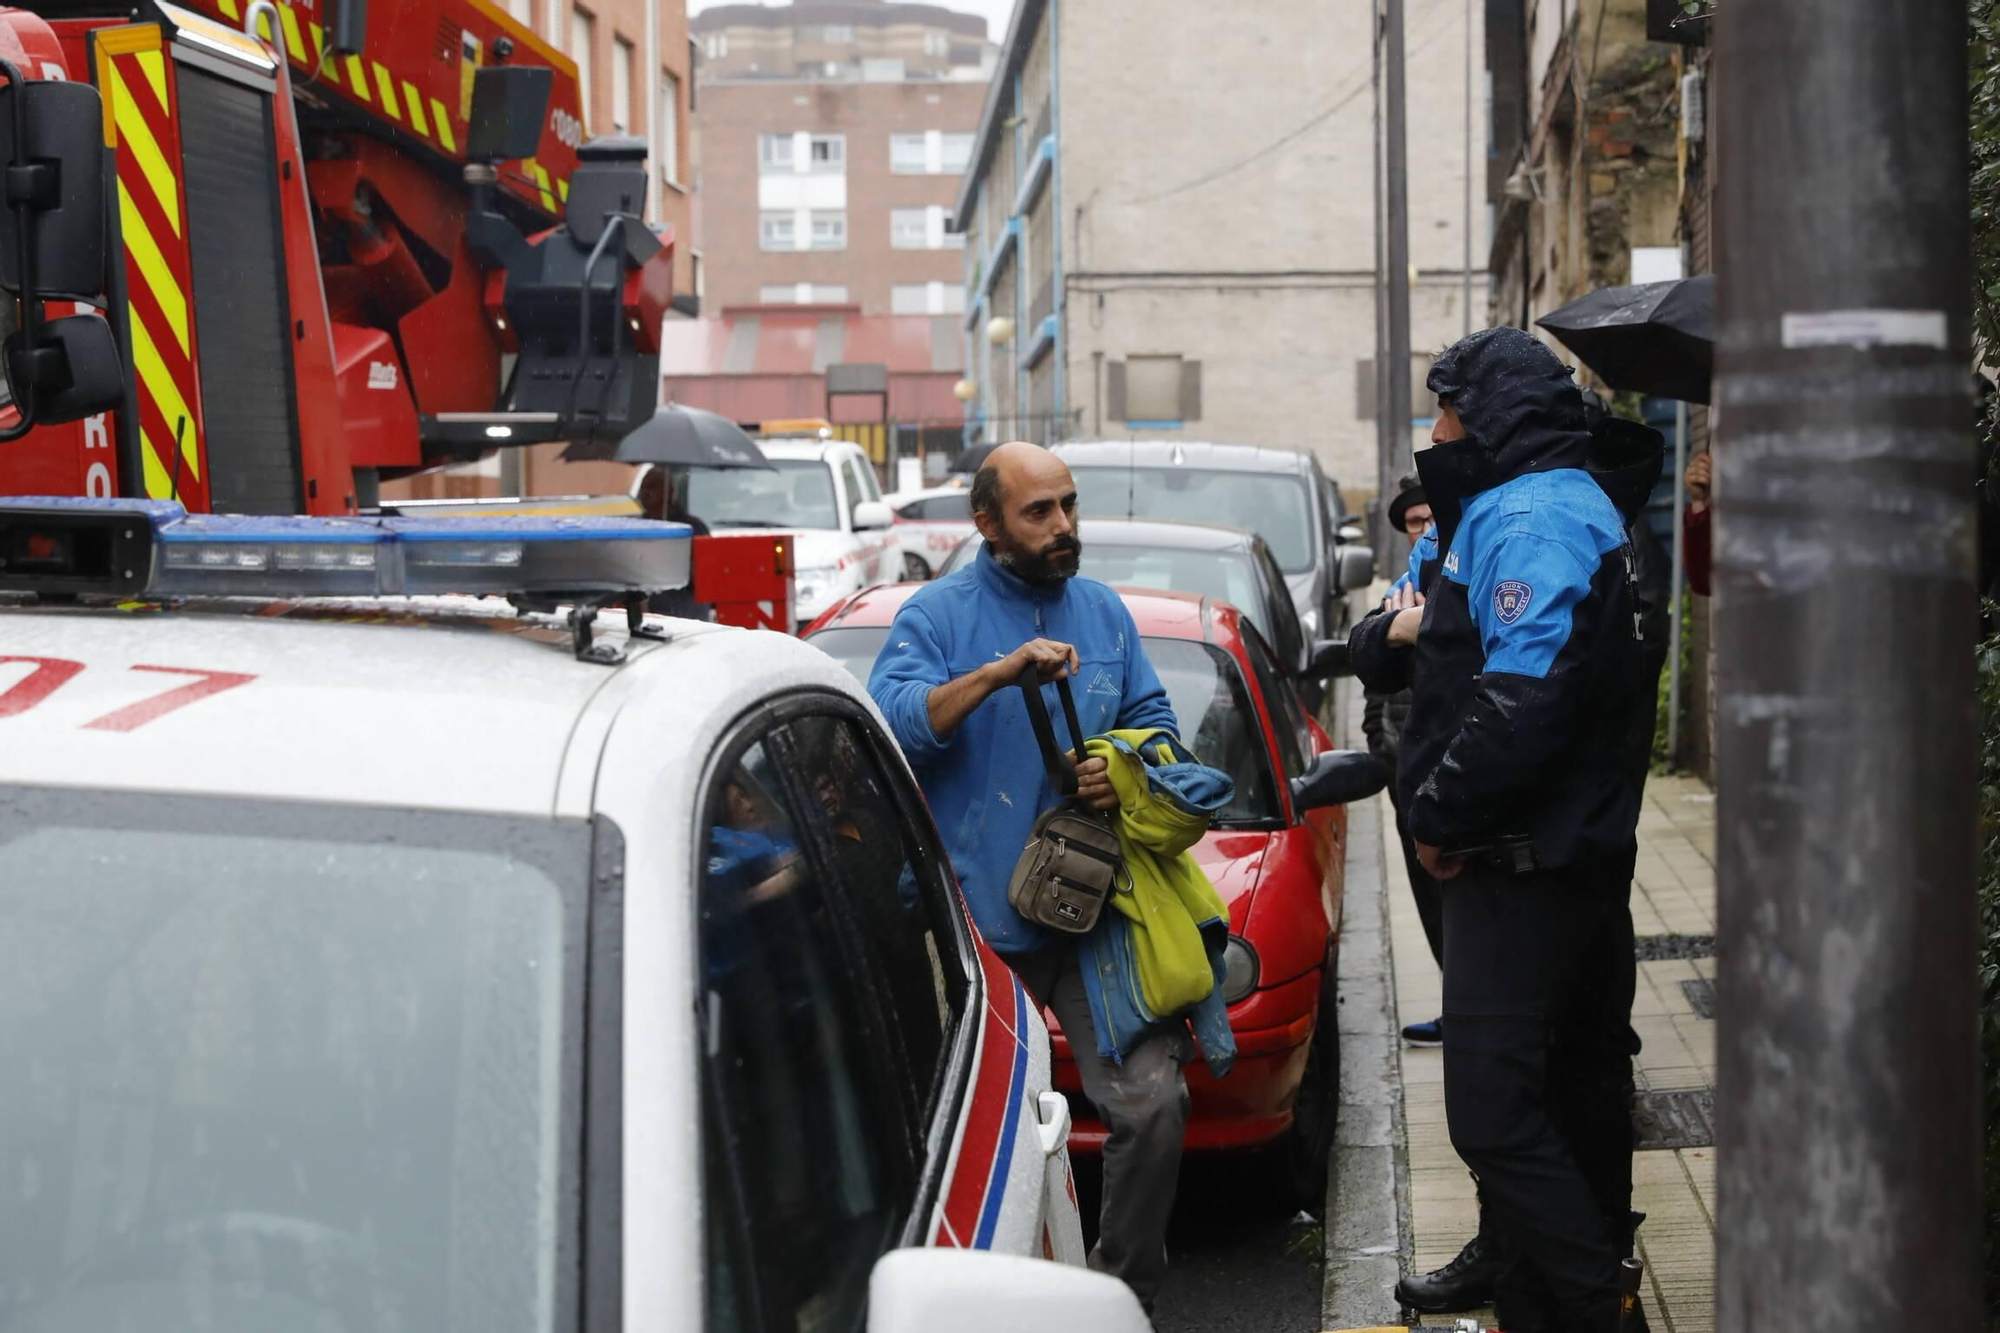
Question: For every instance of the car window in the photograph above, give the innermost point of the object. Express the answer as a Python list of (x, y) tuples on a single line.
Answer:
[(865, 843), (1276, 506), (1282, 622), (1288, 718), (818, 1155), (854, 647), (946, 508), (1218, 723), (962, 555), (796, 493), (1224, 575)]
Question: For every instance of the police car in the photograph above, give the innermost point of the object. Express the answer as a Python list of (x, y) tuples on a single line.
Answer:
[(381, 959)]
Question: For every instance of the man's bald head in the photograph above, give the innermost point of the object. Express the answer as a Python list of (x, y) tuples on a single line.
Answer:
[(1024, 503)]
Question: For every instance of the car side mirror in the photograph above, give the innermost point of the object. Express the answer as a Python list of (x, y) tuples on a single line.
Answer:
[(1357, 567), (1337, 778), (978, 1291), (873, 514), (1329, 659), (1349, 531)]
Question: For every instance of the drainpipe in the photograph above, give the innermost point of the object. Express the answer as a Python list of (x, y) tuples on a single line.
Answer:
[(1059, 372)]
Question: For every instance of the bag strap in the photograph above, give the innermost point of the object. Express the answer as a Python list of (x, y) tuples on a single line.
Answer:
[(1061, 768)]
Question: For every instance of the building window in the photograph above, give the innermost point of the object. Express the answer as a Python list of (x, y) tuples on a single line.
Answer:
[(957, 153), (522, 11), (936, 42), (927, 298), (909, 229), (621, 86), (828, 156), (670, 128), (774, 153), (582, 37), (777, 231), (803, 293), (1157, 388), (718, 45), (836, 33), (906, 154), (829, 229)]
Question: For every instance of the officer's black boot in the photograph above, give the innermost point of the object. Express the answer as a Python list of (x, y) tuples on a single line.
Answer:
[(1466, 1283), (1522, 1302), (1618, 1311)]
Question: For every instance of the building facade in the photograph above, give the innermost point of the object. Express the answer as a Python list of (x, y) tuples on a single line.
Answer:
[(1170, 223), (831, 137)]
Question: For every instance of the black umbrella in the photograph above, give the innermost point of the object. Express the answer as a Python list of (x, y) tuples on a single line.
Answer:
[(971, 460), (680, 437), (1657, 338)]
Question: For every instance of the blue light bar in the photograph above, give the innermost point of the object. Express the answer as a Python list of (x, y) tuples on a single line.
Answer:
[(63, 543)]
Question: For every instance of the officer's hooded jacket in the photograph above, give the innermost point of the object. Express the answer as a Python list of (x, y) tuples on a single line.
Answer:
[(1529, 678)]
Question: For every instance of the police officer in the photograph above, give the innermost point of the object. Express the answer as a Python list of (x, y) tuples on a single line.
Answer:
[(1517, 778)]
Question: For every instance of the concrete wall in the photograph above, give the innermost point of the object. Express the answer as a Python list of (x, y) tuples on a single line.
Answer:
[(1217, 182)]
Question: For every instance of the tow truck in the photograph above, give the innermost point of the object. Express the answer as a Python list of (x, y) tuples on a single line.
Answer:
[(266, 256)]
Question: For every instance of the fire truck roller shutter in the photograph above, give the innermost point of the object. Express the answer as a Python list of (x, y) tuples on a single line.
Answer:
[(242, 318)]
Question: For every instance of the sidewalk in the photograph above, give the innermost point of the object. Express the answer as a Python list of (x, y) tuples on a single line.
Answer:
[(1673, 899)]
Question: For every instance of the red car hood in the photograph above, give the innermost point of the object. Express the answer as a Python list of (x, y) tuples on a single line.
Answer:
[(1234, 861)]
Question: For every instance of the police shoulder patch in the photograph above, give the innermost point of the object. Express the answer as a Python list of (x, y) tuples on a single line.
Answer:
[(1510, 600)]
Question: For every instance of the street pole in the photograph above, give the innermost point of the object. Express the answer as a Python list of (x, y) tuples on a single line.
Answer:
[(1465, 228), (1677, 602), (1383, 452), (1396, 406), (1848, 1063)]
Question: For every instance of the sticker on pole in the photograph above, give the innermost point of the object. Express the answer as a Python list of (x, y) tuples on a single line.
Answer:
[(1867, 328)]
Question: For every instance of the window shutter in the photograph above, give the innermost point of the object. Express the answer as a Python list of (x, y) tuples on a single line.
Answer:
[(1114, 390), (1190, 391)]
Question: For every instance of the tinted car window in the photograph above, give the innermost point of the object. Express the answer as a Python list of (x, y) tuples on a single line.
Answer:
[(1274, 505), (1218, 722), (1288, 719), (1224, 575), (854, 648), (817, 1150), (865, 844), (942, 507), (1282, 622)]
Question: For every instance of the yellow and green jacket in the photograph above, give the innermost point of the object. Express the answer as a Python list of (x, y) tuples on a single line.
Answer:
[(1157, 956)]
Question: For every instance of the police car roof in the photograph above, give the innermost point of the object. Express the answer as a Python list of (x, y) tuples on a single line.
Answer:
[(430, 703)]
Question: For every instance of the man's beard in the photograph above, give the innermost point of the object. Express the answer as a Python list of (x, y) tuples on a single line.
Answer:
[(1050, 567)]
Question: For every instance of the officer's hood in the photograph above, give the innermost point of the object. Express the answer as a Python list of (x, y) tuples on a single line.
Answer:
[(1625, 459), (1521, 410)]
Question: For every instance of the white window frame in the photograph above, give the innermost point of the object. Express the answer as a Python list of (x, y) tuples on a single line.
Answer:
[(834, 220), (964, 142), (670, 127), (837, 34), (803, 293), (623, 57), (905, 223), (582, 37), (777, 229), (901, 146), (835, 161), (774, 154), (718, 45)]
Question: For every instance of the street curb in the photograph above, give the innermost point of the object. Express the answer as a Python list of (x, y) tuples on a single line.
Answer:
[(1367, 1215)]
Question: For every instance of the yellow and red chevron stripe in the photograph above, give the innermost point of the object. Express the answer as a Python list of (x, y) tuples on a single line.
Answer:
[(137, 83)]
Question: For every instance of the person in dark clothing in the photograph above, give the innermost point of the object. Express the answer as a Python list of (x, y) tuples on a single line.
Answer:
[(1385, 710), (662, 495), (1520, 777)]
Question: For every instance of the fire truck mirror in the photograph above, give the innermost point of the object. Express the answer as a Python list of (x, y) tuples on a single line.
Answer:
[(53, 136), (509, 104), (72, 369)]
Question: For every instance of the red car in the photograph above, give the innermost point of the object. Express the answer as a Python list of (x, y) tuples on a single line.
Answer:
[(1278, 864)]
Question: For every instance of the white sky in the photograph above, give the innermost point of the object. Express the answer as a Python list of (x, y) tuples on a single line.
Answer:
[(996, 12)]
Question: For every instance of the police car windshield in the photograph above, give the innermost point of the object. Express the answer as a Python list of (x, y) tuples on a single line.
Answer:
[(1273, 505), (288, 1067), (799, 494)]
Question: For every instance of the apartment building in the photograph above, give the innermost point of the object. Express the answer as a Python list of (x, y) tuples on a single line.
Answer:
[(1170, 222), (831, 137)]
